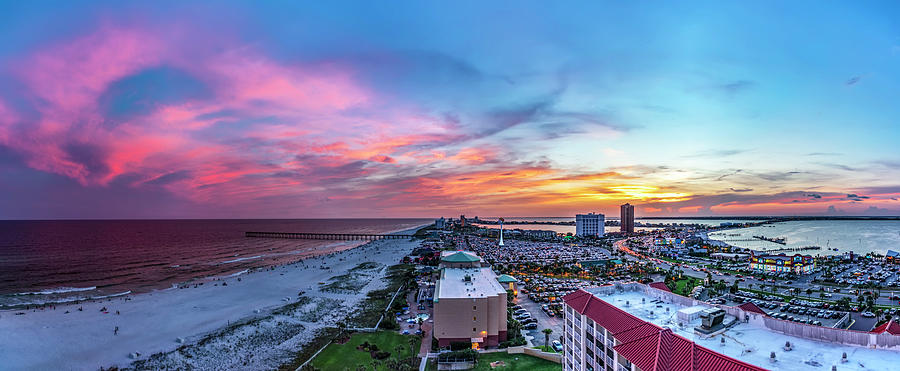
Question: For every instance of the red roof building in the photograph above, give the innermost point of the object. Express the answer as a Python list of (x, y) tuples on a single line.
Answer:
[(890, 327), (660, 285), (750, 307), (629, 340)]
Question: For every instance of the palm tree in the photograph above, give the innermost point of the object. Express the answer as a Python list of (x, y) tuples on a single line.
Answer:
[(547, 332), (341, 327), (412, 345)]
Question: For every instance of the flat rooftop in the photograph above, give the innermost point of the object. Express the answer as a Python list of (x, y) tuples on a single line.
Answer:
[(753, 344), (482, 283)]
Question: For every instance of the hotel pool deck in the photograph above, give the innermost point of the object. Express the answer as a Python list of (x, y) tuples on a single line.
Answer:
[(752, 344)]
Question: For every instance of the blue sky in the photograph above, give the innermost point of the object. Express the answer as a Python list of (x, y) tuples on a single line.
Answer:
[(308, 109)]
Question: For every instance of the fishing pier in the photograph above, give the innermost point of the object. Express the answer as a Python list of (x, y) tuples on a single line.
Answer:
[(326, 236)]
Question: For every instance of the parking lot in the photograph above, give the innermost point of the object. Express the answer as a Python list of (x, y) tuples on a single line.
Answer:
[(797, 310), (862, 323), (543, 321)]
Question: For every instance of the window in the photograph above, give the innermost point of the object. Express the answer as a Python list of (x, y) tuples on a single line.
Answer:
[(474, 319), (474, 307), (624, 363), (474, 329)]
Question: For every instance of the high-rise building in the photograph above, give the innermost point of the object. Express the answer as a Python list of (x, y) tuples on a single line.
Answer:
[(590, 224), (627, 218), (598, 335)]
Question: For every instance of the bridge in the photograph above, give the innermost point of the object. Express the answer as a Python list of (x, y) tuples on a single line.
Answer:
[(326, 236)]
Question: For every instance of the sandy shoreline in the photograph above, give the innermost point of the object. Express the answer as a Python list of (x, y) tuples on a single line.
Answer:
[(162, 321)]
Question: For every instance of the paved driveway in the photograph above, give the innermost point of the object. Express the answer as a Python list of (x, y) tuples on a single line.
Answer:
[(862, 323), (543, 321)]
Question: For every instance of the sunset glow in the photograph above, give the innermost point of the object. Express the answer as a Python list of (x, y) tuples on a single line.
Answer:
[(301, 110)]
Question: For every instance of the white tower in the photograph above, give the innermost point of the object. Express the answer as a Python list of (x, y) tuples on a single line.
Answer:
[(501, 231)]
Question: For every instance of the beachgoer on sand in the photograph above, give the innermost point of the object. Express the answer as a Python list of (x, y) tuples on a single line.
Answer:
[(116, 331)]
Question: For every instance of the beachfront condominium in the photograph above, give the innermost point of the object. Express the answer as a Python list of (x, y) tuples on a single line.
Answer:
[(626, 220), (590, 224), (600, 336), (629, 326), (469, 303)]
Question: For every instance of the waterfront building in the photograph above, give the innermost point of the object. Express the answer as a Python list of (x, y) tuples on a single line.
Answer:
[(535, 233), (469, 302), (601, 336), (632, 326), (590, 224), (462, 220), (797, 264), (626, 218), (440, 223)]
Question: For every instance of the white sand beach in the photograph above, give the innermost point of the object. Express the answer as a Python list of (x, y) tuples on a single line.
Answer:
[(164, 320)]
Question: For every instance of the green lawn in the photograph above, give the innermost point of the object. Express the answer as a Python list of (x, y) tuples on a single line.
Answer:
[(683, 288), (515, 362), (347, 357)]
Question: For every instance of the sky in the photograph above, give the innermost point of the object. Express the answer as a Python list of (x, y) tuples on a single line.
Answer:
[(224, 109)]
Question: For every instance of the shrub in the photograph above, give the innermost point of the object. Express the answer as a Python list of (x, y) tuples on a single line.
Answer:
[(389, 324), (460, 345), (381, 355), (467, 354)]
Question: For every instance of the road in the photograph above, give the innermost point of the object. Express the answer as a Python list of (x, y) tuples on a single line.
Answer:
[(544, 321)]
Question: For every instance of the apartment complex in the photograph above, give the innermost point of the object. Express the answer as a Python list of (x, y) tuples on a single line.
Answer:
[(469, 302), (601, 336), (627, 218), (590, 224), (797, 264)]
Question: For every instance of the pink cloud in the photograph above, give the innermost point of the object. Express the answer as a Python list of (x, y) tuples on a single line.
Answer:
[(251, 139)]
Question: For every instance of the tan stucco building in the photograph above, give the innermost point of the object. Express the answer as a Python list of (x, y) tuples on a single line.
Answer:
[(469, 303)]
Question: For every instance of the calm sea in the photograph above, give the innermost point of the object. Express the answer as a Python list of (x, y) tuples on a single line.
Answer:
[(60, 261), (859, 236)]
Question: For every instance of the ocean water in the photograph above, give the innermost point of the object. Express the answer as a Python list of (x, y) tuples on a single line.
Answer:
[(859, 236), (61, 261)]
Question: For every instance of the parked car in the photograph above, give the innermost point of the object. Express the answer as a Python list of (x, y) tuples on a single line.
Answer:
[(868, 314), (557, 346), (530, 326)]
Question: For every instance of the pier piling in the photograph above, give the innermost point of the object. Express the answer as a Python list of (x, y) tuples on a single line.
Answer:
[(325, 236)]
